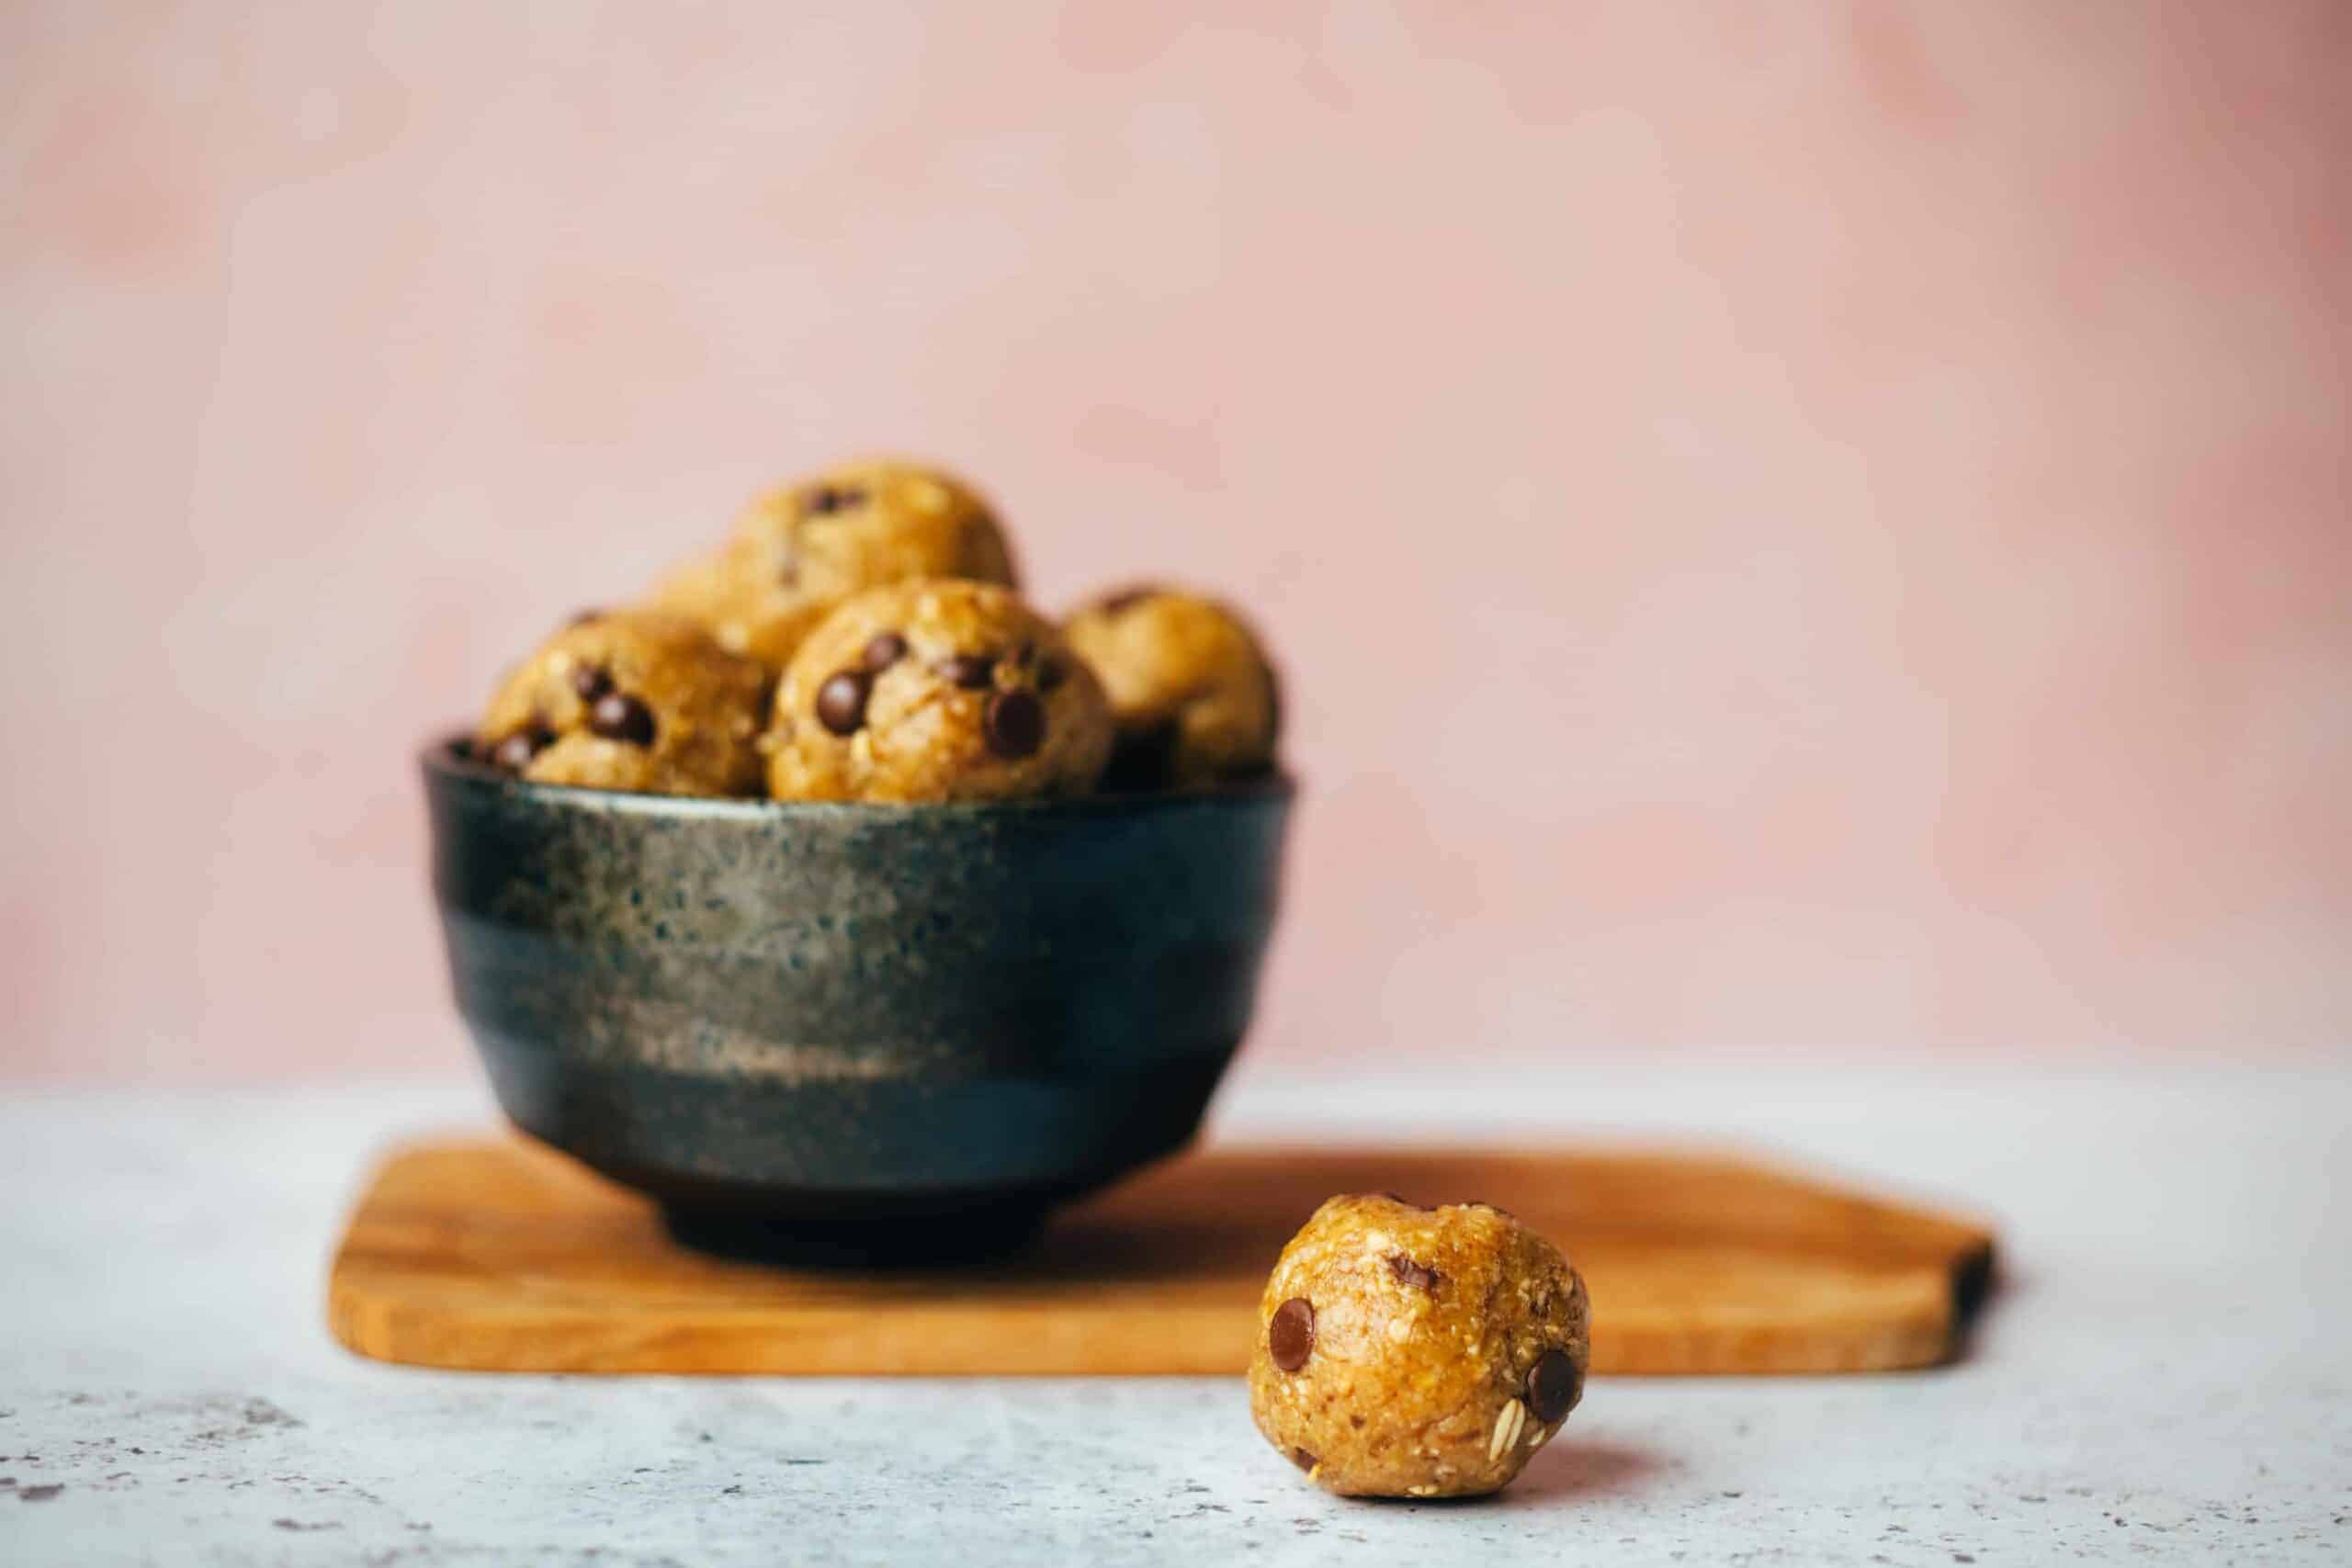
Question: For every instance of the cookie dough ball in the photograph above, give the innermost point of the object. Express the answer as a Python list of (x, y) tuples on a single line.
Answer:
[(796, 552), (632, 700), (932, 691), (1412, 1352), (1192, 694)]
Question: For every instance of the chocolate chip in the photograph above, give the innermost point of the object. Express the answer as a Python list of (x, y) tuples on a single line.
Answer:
[(973, 671), (841, 701), (886, 649), (1418, 1275), (1290, 1334), (581, 617), (617, 715), (825, 500), (590, 681), (515, 752), (1303, 1460), (1051, 674), (1013, 725), (1553, 1384), (1029, 658), (1125, 599)]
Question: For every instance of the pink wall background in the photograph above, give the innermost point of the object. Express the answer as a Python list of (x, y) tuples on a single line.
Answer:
[(1825, 527)]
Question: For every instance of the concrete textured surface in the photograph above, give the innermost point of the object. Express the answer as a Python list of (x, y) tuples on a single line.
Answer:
[(2162, 1377)]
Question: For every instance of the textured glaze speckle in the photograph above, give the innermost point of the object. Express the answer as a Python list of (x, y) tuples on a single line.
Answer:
[(826, 1017)]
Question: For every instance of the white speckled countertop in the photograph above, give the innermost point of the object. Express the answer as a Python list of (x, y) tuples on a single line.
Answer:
[(2166, 1376)]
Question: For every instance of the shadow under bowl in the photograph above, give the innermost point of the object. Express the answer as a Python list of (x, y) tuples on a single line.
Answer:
[(852, 1033)]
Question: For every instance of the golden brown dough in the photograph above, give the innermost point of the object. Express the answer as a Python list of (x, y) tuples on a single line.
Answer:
[(1412, 1352), (932, 691), (796, 552), (632, 700), (1191, 689)]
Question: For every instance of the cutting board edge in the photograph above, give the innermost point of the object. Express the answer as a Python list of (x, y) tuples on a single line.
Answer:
[(367, 1317)]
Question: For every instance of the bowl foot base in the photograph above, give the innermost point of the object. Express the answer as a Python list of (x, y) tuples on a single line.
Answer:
[(971, 1235)]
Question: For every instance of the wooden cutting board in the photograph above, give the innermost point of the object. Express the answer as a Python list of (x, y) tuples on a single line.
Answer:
[(491, 1254)]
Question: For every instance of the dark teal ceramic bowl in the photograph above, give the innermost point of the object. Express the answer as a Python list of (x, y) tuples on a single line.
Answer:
[(852, 1030)]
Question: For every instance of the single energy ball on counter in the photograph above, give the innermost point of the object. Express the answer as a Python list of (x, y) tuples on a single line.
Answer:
[(796, 552), (630, 700), (1412, 1352), (1192, 691), (934, 691)]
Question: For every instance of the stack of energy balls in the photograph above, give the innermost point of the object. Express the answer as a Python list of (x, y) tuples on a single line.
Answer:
[(860, 635)]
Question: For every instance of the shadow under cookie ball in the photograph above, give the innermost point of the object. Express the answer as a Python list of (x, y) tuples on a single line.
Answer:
[(936, 691), (796, 552), (1412, 1352), (634, 700), (1194, 697)]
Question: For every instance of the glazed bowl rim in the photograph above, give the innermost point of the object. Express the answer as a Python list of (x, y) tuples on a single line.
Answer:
[(443, 760)]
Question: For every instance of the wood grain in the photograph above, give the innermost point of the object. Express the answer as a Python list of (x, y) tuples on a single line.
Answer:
[(491, 1254)]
